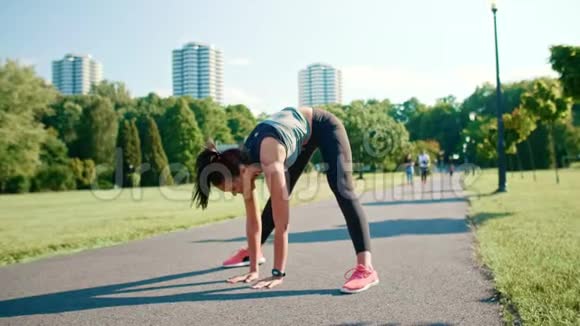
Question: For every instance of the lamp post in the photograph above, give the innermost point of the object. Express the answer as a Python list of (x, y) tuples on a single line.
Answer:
[(500, 129)]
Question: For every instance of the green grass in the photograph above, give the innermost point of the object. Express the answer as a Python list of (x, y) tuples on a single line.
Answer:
[(530, 239), (43, 224)]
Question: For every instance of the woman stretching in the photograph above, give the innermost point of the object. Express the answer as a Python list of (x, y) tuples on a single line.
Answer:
[(286, 141)]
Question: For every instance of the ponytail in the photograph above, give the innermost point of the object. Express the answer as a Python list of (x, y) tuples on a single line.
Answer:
[(214, 168)]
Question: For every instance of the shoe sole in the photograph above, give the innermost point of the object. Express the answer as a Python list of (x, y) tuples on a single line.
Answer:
[(244, 263), (368, 286)]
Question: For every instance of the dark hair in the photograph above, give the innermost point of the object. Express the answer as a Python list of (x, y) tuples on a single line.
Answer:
[(212, 168)]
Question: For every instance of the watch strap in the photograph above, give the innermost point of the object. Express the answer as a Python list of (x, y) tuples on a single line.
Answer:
[(278, 273)]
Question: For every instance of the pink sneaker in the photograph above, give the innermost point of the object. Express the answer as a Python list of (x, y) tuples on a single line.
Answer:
[(360, 280), (241, 258)]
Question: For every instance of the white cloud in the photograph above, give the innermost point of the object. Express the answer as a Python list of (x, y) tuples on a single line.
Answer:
[(235, 95), (239, 62)]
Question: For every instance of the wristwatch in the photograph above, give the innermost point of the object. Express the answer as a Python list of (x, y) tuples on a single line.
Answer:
[(278, 273)]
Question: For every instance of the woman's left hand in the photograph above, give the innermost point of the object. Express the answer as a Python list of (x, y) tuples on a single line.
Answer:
[(268, 282), (247, 278)]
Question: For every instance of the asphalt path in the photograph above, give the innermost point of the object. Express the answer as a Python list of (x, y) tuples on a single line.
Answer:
[(423, 250)]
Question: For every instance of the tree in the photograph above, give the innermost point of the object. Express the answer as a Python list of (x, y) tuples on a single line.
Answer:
[(519, 124), (442, 123), (547, 104), (430, 146), (116, 92), (24, 98), (405, 111), (482, 134), (566, 61), (483, 103), (240, 120), (210, 117), (131, 150), (151, 105), (97, 132), (262, 116), (376, 139), (64, 118), (182, 138), (84, 172), (154, 155), (54, 177), (54, 172)]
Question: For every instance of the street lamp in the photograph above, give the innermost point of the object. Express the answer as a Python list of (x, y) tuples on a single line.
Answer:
[(499, 111)]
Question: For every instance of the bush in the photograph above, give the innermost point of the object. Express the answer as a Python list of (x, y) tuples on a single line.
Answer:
[(84, 172), (56, 178), (105, 177), (17, 185)]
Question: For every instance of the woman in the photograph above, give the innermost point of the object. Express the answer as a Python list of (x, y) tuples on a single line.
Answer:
[(286, 141), (409, 169)]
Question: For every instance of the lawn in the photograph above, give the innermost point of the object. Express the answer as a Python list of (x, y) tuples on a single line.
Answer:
[(530, 239), (42, 224)]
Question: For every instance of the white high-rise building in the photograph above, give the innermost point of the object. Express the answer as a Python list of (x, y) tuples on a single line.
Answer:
[(198, 71), (75, 74), (319, 84)]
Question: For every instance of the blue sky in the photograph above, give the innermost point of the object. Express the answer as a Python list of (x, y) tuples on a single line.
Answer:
[(386, 49)]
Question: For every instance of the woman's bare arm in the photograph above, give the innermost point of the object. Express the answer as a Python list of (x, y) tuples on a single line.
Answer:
[(253, 229), (272, 156)]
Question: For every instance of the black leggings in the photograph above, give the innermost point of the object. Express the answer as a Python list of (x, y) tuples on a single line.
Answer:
[(329, 135)]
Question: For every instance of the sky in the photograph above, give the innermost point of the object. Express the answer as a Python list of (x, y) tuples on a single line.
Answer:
[(385, 49)]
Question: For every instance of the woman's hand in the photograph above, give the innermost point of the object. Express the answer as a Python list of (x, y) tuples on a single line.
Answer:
[(246, 278), (268, 282)]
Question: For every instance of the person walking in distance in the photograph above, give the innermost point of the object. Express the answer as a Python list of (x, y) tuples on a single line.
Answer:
[(424, 163), (409, 169)]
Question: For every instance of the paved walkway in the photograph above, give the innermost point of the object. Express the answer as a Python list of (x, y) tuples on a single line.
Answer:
[(422, 249)]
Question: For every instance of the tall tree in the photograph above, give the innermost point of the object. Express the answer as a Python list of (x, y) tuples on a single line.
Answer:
[(153, 154), (546, 102), (54, 172), (182, 138), (24, 98), (376, 139), (442, 123), (131, 148), (566, 61), (482, 136), (240, 120), (405, 111), (519, 124), (116, 92), (210, 117), (97, 133), (64, 118)]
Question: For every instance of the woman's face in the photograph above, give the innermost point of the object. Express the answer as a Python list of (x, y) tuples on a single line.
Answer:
[(235, 186), (247, 176)]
